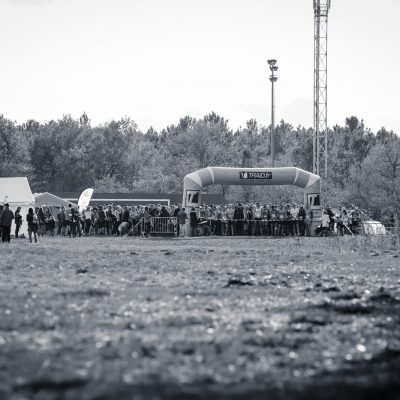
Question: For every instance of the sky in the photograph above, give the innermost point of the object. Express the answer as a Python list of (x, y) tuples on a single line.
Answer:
[(156, 61)]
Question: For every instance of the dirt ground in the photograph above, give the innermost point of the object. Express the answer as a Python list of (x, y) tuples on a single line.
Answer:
[(208, 318)]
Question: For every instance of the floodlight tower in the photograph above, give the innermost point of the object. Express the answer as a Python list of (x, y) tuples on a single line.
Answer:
[(273, 78), (320, 137)]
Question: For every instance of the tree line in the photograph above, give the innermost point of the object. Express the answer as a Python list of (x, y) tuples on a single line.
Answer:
[(68, 155)]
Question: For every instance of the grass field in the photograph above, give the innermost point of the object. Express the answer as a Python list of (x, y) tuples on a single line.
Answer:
[(243, 318)]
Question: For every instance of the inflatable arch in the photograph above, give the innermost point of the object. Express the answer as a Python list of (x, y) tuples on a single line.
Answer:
[(194, 182)]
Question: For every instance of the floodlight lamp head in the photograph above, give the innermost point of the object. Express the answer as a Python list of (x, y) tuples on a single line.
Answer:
[(272, 62)]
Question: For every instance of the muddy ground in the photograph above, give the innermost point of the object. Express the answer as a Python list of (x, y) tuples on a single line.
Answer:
[(208, 318)]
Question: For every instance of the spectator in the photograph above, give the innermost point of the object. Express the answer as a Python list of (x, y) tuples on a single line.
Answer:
[(182, 217), (345, 222), (109, 218), (193, 222), (302, 218), (258, 211), (147, 221), (33, 223), (164, 213), (339, 221), (229, 217), (6, 219), (238, 217), (18, 221), (125, 215), (42, 222), (266, 223), (274, 221), (294, 220), (102, 221), (61, 222), (250, 221), (309, 217), (87, 218), (175, 213)]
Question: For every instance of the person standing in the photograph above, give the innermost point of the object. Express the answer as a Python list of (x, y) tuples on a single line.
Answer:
[(147, 221), (238, 217), (18, 221), (302, 218), (42, 226), (33, 223), (294, 220), (308, 220), (339, 221), (266, 220), (6, 219), (258, 220), (229, 216), (250, 221), (88, 215), (274, 221), (110, 218), (193, 222), (61, 221), (68, 220), (345, 222), (175, 215), (182, 217)]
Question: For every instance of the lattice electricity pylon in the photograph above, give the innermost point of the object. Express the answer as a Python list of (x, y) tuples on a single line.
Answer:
[(320, 137)]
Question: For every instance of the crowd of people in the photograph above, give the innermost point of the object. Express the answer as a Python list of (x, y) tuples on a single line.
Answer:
[(252, 219)]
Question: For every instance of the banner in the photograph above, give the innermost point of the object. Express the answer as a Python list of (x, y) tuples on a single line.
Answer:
[(192, 198), (84, 199)]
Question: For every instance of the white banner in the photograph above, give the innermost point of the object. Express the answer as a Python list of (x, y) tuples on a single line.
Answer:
[(84, 199)]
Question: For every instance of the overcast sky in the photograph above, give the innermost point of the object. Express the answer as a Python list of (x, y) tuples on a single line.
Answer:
[(159, 60)]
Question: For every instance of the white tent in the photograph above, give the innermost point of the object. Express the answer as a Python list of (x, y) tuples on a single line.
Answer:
[(17, 193), (52, 201)]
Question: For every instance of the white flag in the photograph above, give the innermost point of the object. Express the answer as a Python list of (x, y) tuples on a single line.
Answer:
[(84, 199)]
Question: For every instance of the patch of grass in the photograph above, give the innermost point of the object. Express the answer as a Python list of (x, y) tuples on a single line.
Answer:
[(209, 318)]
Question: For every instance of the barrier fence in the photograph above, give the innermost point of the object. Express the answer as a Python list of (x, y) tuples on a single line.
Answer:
[(263, 227), (160, 226)]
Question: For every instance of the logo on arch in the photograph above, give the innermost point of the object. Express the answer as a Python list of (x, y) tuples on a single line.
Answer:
[(255, 175), (192, 198)]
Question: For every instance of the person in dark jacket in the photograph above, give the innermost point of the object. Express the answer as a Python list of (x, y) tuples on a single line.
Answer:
[(125, 215), (164, 213), (6, 219), (302, 218), (61, 221), (33, 223), (42, 226), (238, 217), (175, 214), (193, 222), (102, 221), (110, 219), (18, 221)]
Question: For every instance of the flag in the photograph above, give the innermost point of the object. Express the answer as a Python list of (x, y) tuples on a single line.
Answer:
[(84, 198)]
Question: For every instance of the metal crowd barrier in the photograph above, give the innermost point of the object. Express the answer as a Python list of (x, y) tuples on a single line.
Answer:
[(161, 226)]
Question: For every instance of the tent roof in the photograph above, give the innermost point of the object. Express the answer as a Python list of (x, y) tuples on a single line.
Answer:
[(48, 199), (16, 190)]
